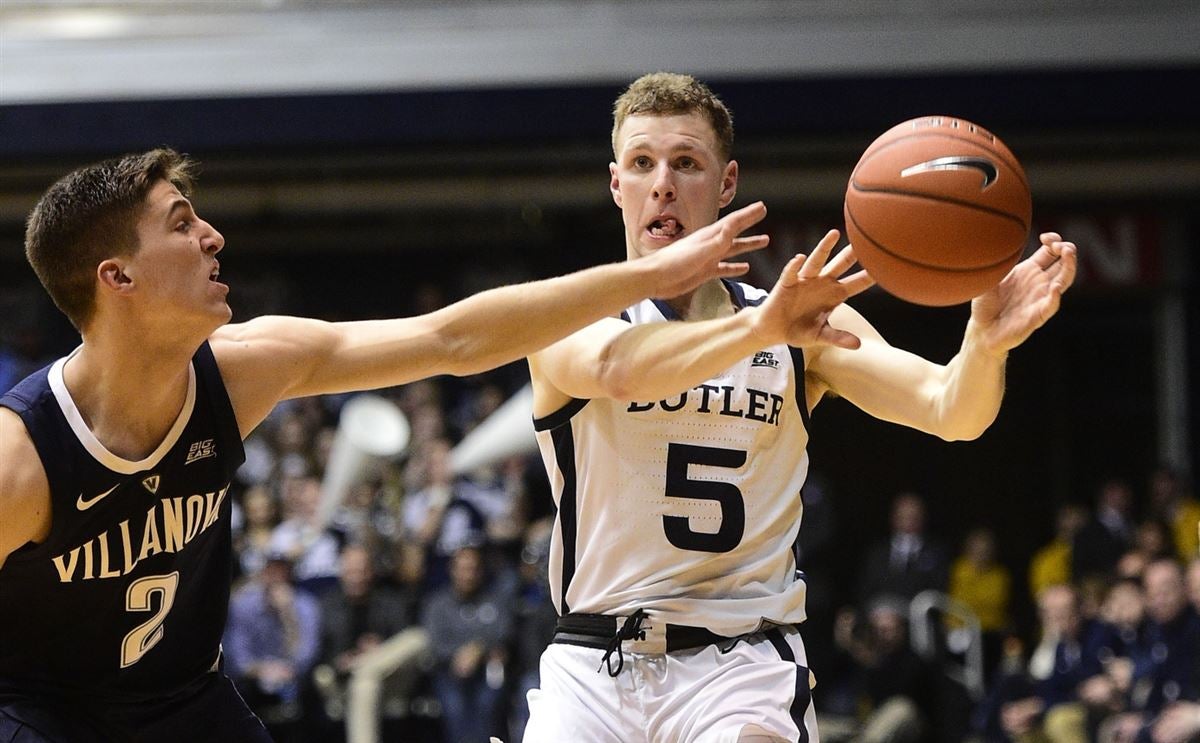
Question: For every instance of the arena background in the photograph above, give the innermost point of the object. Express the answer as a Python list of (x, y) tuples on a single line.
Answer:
[(354, 152)]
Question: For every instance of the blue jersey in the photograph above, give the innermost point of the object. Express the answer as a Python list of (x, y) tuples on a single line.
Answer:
[(126, 598)]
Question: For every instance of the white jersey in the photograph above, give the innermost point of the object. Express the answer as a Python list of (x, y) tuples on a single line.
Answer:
[(686, 507)]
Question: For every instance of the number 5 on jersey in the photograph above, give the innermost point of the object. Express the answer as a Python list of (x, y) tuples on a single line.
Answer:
[(733, 507)]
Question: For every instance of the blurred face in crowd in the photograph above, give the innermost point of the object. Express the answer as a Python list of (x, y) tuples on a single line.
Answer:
[(890, 628), (1070, 520), (981, 547), (356, 573), (1124, 606), (466, 571), (259, 507), (1116, 496), (1059, 609), (908, 515), (1165, 596)]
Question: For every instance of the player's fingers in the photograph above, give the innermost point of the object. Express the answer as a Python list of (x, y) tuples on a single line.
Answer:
[(1050, 237), (789, 276), (820, 254), (1066, 269), (840, 263), (741, 219), (1045, 256), (746, 244), (732, 269), (856, 283)]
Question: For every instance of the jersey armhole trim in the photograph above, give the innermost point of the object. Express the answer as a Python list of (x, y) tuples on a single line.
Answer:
[(560, 416)]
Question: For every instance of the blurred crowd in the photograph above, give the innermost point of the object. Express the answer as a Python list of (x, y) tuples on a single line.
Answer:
[(928, 649)]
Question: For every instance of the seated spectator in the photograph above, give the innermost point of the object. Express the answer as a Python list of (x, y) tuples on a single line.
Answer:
[(984, 586), (907, 562), (312, 547), (252, 542), (1193, 583), (271, 643), (1051, 565), (1107, 535), (470, 625), (897, 687), (535, 618), (1151, 541), (1171, 503), (1044, 703)]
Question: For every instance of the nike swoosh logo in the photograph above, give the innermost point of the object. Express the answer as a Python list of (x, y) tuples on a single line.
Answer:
[(84, 505), (986, 167)]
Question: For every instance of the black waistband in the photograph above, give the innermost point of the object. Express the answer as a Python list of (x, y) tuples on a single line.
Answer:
[(598, 630)]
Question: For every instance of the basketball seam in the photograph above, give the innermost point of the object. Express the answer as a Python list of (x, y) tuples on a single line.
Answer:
[(944, 199), (919, 264), (1014, 165)]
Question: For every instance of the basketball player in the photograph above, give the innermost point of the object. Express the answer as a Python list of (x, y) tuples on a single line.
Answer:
[(676, 451), (115, 461)]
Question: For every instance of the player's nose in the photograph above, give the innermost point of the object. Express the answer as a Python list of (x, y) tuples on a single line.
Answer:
[(214, 241), (664, 183)]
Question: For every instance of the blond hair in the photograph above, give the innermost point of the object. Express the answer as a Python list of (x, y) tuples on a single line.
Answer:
[(671, 94)]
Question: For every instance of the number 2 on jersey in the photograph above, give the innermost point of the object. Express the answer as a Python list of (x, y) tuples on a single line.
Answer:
[(733, 507), (147, 634)]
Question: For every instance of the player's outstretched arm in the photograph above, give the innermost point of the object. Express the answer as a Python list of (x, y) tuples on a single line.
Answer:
[(24, 491), (612, 359), (273, 358), (960, 399)]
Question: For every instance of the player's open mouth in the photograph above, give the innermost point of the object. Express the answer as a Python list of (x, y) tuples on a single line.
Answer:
[(668, 227), (215, 273)]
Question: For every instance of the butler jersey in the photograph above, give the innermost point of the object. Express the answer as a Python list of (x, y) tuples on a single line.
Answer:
[(686, 507), (126, 598)]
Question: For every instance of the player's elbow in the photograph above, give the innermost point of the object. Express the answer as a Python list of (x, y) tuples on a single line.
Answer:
[(616, 380)]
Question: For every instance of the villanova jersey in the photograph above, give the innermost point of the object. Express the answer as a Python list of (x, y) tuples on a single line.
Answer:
[(126, 599), (686, 507)]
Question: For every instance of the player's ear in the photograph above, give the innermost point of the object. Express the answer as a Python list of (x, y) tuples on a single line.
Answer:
[(729, 183), (111, 274), (614, 183)]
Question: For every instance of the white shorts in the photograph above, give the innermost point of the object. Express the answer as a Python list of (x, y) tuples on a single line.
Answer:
[(702, 695)]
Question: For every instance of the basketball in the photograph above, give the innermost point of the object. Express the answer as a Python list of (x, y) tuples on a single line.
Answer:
[(938, 210)]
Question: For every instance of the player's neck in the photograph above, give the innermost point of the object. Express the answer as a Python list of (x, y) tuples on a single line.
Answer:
[(708, 301), (129, 390)]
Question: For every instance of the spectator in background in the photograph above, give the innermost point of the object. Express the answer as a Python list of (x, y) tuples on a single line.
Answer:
[(470, 624), (271, 643), (1151, 541), (1051, 565), (535, 620), (908, 562), (312, 546), (252, 542), (897, 687), (356, 617), (1171, 503), (1165, 670), (1043, 702), (1107, 535), (985, 587)]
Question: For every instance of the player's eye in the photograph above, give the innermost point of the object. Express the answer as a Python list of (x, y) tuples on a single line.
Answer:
[(184, 225), (641, 161), (687, 163)]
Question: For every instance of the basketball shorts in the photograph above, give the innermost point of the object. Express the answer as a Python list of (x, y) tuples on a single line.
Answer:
[(211, 710), (704, 694)]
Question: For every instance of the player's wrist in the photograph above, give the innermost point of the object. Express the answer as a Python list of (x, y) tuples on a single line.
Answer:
[(977, 343)]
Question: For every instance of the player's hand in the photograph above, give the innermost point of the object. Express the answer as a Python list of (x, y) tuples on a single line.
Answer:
[(699, 257), (1027, 297), (797, 310)]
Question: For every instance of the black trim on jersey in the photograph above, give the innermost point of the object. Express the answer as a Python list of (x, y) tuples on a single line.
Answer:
[(560, 416), (564, 454), (625, 316), (668, 313), (803, 696), (738, 294), (801, 398)]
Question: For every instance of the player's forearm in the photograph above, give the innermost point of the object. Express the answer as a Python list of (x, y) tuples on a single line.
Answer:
[(505, 324), (653, 361), (970, 398)]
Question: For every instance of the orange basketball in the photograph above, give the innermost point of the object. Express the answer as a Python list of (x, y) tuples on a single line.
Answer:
[(938, 210)]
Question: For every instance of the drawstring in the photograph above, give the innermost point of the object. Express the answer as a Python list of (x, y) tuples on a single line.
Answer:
[(628, 630)]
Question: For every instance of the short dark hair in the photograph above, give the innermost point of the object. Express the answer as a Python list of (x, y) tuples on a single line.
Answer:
[(89, 215), (671, 94)]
